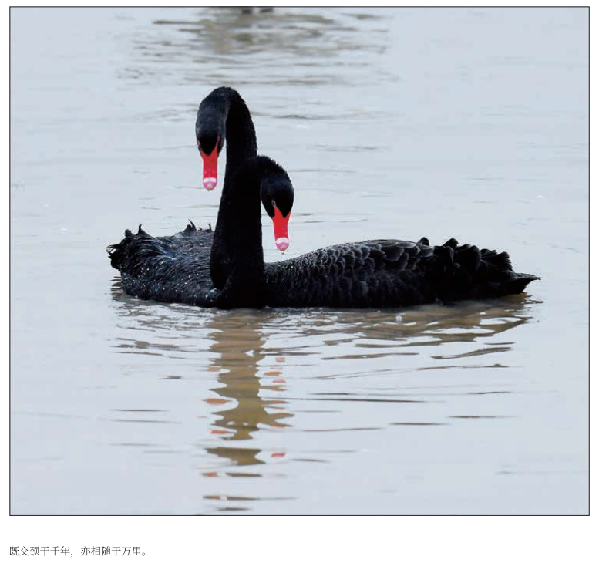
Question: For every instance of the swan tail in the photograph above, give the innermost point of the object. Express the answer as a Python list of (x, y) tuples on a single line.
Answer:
[(167, 269), (118, 251), (140, 253), (467, 272), (518, 282), (133, 251)]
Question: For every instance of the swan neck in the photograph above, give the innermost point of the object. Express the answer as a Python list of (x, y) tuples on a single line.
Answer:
[(240, 134)]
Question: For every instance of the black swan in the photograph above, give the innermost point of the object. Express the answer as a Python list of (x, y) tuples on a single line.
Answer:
[(376, 273), (149, 266), (380, 273)]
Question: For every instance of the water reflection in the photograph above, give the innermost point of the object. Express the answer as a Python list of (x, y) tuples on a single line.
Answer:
[(334, 377), (378, 334), (241, 338), (224, 44), (238, 342), (303, 32), (246, 349)]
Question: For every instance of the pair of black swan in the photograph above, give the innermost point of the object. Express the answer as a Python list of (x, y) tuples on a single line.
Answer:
[(226, 268)]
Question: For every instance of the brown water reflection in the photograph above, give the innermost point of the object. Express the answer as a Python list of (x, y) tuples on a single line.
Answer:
[(238, 342), (279, 392), (309, 33), (239, 337), (211, 45), (251, 354), (282, 388)]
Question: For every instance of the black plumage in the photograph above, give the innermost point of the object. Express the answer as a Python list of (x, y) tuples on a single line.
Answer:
[(179, 268), (378, 273), (174, 269), (391, 273)]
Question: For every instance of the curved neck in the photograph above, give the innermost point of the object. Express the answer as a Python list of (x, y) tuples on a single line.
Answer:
[(240, 136), (225, 110)]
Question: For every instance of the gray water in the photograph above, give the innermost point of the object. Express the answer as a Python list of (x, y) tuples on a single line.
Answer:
[(398, 123)]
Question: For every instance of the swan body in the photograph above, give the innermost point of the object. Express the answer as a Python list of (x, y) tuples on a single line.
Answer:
[(180, 268), (391, 273), (376, 273), (173, 269), (225, 267)]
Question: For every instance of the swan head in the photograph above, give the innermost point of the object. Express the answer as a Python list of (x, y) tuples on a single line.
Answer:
[(210, 143), (277, 196)]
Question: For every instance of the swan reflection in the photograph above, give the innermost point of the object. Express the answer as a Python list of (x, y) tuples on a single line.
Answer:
[(244, 373), (271, 375), (244, 340), (290, 47), (304, 32)]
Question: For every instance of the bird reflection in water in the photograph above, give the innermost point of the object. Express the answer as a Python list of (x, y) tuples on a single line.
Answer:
[(238, 341), (228, 38), (250, 354)]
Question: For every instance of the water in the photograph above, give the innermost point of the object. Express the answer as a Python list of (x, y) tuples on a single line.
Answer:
[(399, 123)]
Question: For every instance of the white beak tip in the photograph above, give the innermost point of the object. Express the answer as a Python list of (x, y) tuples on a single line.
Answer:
[(210, 183), (282, 244)]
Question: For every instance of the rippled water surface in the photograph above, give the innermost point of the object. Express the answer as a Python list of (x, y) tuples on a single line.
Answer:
[(399, 123)]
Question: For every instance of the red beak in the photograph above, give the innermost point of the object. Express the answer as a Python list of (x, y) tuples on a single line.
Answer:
[(281, 225), (210, 167)]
